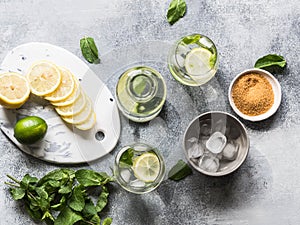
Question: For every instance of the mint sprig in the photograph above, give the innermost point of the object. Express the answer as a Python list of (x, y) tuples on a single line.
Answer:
[(65, 191)]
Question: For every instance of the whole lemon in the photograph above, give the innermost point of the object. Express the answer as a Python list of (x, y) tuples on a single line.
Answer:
[(30, 129)]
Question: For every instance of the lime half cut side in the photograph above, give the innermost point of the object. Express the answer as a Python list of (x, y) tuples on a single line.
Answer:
[(146, 167), (198, 61)]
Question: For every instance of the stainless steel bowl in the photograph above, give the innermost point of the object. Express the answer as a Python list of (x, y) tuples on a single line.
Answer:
[(204, 125)]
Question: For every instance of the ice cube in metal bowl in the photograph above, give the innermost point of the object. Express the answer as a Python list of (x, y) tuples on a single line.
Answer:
[(235, 133)]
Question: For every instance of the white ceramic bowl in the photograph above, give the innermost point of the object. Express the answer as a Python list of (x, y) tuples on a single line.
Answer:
[(276, 89)]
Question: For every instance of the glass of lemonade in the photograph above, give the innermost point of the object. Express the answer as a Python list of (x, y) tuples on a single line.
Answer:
[(139, 168), (193, 60), (141, 93)]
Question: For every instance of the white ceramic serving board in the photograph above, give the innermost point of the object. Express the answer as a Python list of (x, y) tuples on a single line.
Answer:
[(63, 143)]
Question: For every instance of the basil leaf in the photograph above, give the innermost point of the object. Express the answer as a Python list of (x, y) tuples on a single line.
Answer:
[(179, 171), (17, 193), (77, 200), (126, 157), (270, 60), (89, 50), (177, 9), (107, 221), (103, 199), (67, 216)]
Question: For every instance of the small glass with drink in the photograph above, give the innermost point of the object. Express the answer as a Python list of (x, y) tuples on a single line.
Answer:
[(139, 168), (193, 60)]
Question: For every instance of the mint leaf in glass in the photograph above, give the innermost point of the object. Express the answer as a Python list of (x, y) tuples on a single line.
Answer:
[(126, 158)]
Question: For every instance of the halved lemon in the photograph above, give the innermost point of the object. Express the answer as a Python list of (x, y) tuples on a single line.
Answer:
[(197, 61), (72, 98), (146, 167), (14, 90), (88, 124), (82, 116), (44, 78), (65, 88), (73, 109)]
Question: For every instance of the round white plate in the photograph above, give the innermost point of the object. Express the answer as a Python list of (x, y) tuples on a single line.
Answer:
[(63, 143)]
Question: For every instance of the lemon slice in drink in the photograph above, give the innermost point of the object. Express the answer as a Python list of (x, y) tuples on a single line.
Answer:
[(146, 167), (14, 90), (88, 124), (65, 88), (73, 109), (197, 61), (44, 77), (82, 116)]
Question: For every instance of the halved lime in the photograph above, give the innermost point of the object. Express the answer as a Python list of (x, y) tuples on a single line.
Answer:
[(198, 61), (146, 167)]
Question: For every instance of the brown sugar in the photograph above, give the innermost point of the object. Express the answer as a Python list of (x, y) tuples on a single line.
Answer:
[(253, 94)]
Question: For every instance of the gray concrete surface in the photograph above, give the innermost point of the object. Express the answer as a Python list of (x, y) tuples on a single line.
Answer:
[(266, 188)]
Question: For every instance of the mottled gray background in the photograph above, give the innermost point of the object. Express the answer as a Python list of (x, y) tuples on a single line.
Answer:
[(266, 188)]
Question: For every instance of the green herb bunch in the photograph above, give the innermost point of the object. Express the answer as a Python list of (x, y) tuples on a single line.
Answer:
[(62, 196)]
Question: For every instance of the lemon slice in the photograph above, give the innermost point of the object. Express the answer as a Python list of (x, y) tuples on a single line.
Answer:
[(14, 90), (44, 77), (197, 61), (65, 88), (88, 124), (72, 98), (73, 109), (146, 167), (83, 115)]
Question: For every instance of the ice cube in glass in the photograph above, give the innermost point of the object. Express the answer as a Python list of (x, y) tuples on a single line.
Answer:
[(216, 142), (230, 151), (209, 163), (196, 150)]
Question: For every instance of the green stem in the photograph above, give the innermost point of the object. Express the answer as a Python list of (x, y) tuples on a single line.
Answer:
[(11, 184), (14, 179), (88, 222), (31, 195)]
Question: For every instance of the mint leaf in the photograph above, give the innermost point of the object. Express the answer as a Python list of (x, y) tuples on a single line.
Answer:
[(139, 85), (56, 176), (89, 50), (67, 216), (77, 200), (103, 199), (191, 39), (89, 178), (179, 171), (270, 60), (126, 157), (107, 221), (17, 193), (27, 181), (89, 209), (177, 9)]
